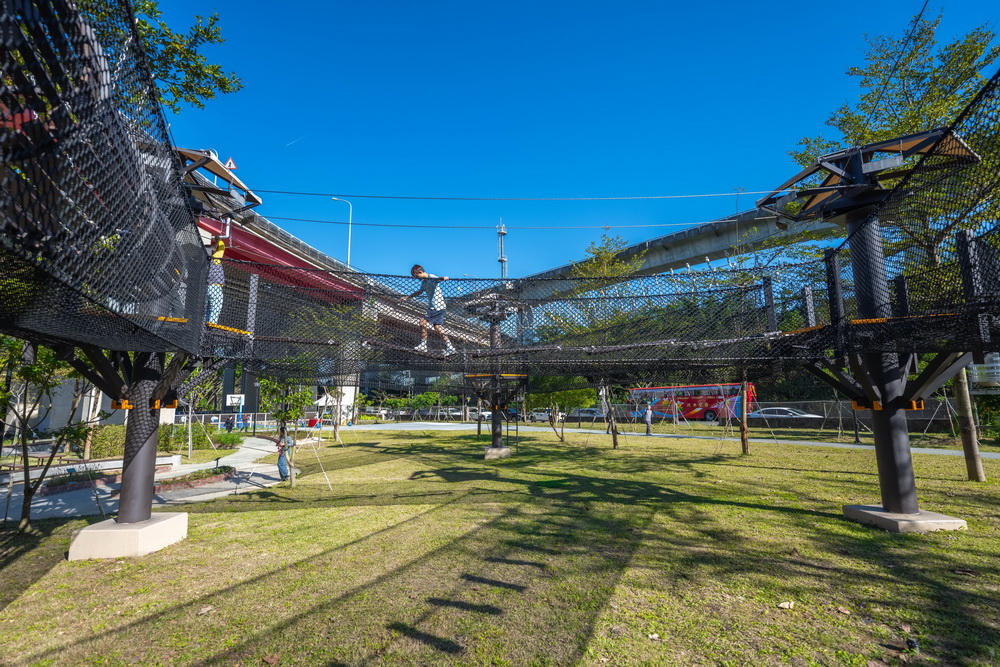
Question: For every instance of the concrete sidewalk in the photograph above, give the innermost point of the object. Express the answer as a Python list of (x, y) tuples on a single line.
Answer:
[(251, 475)]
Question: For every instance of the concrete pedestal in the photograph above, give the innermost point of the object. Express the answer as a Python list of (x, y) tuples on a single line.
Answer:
[(109, 539), (497, 453), (921, 522)]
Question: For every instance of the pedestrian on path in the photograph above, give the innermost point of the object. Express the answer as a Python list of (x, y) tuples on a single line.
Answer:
[(282, 454), (648, 418)]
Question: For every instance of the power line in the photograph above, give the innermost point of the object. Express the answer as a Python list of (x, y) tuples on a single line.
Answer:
[(332, 194), (493, 227)]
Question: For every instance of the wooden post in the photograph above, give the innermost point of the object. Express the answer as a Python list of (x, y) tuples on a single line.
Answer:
[(744, 396), (479, 416)]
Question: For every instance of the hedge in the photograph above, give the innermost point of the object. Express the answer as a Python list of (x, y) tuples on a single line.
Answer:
[(109, 440)]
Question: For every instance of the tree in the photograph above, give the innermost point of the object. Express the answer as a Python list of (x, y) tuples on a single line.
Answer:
[(287, 403), (34, 371), (182, 73), (549, 392), (587, 320), (908, 85)]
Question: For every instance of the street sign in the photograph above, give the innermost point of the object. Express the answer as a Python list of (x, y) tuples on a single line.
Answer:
[(234, 400), (230, 165)]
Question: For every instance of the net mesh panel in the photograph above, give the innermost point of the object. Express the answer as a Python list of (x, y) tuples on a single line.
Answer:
[(713, 325), (946, 304), (98, 245)]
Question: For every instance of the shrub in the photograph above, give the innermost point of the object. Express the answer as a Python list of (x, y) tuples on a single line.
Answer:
[(108, 442), (174, 437), (230, 439), (69, 478)]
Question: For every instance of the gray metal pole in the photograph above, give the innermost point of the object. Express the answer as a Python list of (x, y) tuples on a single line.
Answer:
[(141, 435), (496, 418), (892, 439)]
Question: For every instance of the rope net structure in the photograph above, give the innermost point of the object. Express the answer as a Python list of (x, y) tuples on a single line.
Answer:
[(97, 243), (99, 247)]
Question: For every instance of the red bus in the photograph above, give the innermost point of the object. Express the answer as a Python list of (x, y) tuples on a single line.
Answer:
[(695, 401)]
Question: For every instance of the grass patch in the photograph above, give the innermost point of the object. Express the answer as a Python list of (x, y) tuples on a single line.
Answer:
[(203, 455), (662, 552), (779, 432)]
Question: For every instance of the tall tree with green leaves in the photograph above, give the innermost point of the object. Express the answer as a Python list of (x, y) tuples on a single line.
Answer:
[(182, 72), (909, 84)]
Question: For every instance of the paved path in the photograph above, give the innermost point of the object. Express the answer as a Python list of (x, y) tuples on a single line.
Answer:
[(250, 476)]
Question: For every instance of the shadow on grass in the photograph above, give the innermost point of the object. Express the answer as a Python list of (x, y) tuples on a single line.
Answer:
[(475, 577), (433, 641), (554, 558), (24, 559)]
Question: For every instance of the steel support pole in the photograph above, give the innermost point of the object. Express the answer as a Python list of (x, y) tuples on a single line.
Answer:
[(892, 439), (141, 435), (496, 418)]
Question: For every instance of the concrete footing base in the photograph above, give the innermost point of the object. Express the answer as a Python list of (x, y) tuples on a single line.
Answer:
[(921, 522), (110, 539), (497, 453)]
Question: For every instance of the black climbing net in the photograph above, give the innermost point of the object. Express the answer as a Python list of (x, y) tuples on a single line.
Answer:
[(97, 243), (99, 248)]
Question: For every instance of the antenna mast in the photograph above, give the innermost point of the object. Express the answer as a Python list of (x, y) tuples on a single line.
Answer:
[(502, 232)]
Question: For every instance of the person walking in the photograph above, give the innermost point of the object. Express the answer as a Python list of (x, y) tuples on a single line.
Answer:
[(648, 418), (436, 308), (230, 423), (283, 454)]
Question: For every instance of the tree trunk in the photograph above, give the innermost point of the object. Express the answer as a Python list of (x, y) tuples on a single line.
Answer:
[(93, 409), (967, 427), (553, 417)]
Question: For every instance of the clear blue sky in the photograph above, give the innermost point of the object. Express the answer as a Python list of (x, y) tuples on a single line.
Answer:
[(525, 99)]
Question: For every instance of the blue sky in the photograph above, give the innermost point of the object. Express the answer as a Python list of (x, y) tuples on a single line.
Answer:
[(525, 100)]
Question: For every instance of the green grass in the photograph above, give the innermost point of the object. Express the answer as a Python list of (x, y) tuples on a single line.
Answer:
[(662, 552), (202, 455), (776, 431)]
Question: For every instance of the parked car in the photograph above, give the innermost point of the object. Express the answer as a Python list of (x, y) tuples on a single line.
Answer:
[(513, 414), (780, 413), (544, 415), (585, 414), (372, 411), (474, 414)]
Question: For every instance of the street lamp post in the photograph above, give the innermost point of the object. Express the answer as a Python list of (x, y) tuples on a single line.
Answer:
[(350, 220)]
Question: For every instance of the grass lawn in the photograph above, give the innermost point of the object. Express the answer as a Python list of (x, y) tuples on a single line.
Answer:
[(202, 455), (777, 431), (662, 552)]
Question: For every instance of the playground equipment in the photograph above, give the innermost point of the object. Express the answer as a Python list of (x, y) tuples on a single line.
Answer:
[(100, 258)]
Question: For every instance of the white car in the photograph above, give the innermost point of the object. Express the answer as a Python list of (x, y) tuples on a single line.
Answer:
[(474, 414), (782, 413), (543, 415)]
